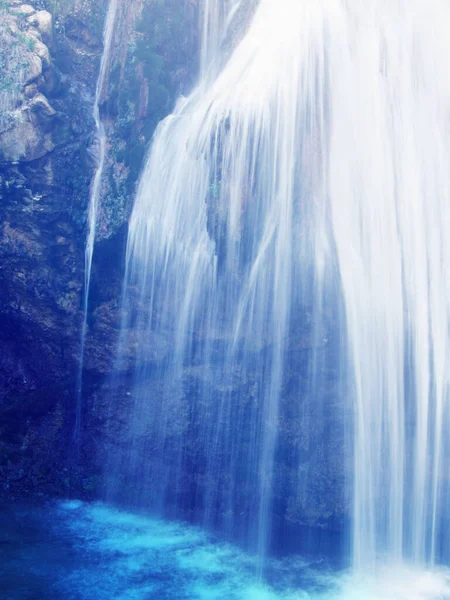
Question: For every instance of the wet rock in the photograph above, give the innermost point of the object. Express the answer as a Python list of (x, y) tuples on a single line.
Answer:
[(24, 10), (30, 136), (32, 69), (41, 50), (24, 142), (42, 21), (46, 127), (39, 105), (30, 90)]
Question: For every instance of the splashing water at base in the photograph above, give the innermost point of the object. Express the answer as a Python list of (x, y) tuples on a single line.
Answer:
[(391, 583), (77, 551)]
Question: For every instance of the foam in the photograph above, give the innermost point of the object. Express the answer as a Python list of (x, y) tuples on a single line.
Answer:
[(398, 582), (132, 557)]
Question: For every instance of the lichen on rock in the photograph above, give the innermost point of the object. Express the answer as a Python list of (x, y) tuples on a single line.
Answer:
[(25, 112)]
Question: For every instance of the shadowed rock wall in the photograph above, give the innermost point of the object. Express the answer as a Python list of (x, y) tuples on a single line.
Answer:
[(50, 53)]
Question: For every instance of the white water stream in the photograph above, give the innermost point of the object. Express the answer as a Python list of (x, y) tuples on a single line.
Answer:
[(322, 143), (388, 184), (95, 192)]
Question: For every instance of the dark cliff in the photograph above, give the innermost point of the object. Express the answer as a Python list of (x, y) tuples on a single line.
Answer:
[(50, 54)]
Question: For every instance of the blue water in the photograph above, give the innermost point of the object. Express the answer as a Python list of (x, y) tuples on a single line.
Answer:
[(77, 551)]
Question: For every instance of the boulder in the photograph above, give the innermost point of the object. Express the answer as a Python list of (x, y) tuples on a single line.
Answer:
[(40, 106), (32, 69), (24, 143), (30, 136), (41, 50), (42, 20), (23, 10)]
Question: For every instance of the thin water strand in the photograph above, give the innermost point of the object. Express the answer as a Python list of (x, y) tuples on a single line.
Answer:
[(94, 197)]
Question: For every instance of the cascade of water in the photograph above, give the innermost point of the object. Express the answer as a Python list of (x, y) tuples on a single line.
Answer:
[(318, 153), (95, 193), (389, 209), (215, 234)]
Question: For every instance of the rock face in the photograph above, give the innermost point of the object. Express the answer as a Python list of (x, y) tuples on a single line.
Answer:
[(49, 59), (26, 115), (147, 73), (45, 173)]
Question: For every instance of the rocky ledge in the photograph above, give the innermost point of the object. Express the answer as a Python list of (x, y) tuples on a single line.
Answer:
[(26, 114)]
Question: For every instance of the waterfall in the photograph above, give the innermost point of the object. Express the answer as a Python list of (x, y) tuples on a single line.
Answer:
[(389, 209), (308, 170), (95, 194)]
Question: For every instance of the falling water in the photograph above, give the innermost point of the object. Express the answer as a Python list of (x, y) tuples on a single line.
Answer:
[(95, 193), (388, 182), (309, 167)]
